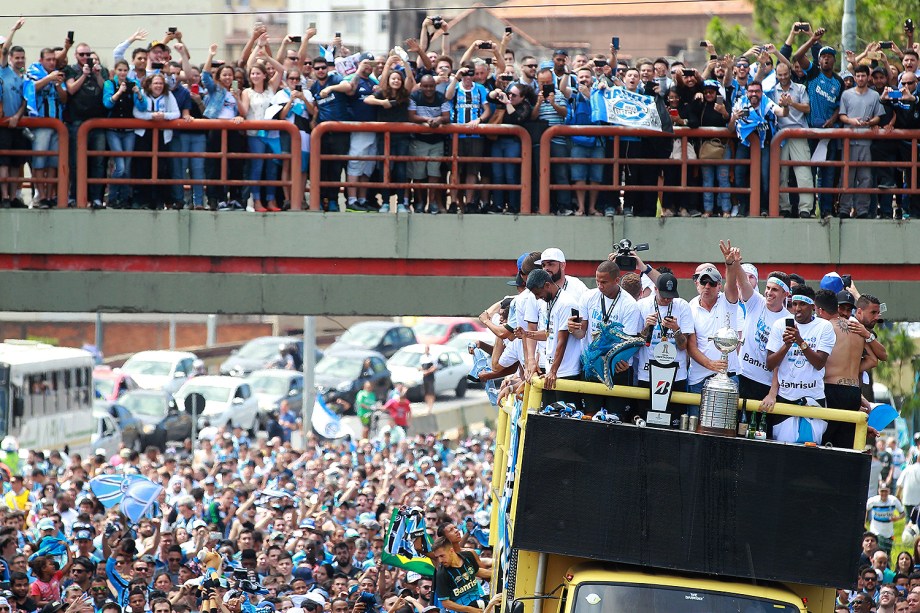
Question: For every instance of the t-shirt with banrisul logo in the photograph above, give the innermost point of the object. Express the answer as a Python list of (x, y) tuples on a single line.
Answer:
[(460, 585), (758, 322), (797, 377)]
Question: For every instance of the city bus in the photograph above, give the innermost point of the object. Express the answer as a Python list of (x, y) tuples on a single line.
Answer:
[(46, 396)]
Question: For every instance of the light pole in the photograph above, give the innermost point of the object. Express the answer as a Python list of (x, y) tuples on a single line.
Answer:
[(848, 26)]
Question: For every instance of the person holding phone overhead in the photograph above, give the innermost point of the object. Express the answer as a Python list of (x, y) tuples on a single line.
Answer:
[(118, 96), (553, 108)]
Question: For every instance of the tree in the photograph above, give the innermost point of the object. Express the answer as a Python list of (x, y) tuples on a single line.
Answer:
[(875, 21), (900, 372)]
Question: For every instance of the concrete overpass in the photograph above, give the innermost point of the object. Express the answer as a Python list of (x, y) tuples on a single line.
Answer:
[(372, 264)]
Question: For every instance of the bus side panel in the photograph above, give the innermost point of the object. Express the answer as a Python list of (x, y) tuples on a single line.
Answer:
[(820, 599)]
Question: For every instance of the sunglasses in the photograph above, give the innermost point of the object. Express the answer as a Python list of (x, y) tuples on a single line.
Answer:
[(707, 282), (308, 63), (85, 54), (530, 65)]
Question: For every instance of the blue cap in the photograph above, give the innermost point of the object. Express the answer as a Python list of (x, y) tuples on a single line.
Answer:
[(828, 50), (520, 260), (711, 83), (546, 64), (833, 282)]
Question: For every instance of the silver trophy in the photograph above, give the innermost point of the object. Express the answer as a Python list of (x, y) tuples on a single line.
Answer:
[(719, 398)]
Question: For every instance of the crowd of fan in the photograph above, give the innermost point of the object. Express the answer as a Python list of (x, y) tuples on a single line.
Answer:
[(756, 95), (313, 545)]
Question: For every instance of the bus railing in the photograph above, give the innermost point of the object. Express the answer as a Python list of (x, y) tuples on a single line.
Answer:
[(858, 418), (224, 125), (62, 180), (454, 159)]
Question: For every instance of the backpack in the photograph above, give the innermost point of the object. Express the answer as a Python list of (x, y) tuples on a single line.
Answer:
[(579, 114)]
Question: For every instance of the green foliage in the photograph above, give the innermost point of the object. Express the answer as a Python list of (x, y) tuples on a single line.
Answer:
[(899, 372), (727, 39), (875, 21)]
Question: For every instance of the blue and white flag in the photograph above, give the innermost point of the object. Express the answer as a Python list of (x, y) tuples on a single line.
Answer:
[(326, 422), (482, 362), (621, 107)]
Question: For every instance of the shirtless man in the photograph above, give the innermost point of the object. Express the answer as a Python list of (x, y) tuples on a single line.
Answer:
[(843, 368)]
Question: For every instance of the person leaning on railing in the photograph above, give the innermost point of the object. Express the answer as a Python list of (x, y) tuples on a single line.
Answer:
[(45, 97), (297, 107), (85, 81), (222, 102), (392, 102), (191, 106), (515, 109), (118, 96), (154, 103), (254, 104), (710, 112)]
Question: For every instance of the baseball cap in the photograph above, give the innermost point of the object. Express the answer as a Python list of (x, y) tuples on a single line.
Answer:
[(667, 286), (560, 52), (412, 577), (828, 50), (521, 258), (46, 524), (517, 281), (845, 297), (711, 273), (351, 533), (157, 43), (833, 282), (553, 254), (710, 84), (52, 607), (365, 56), (316, 597), (83, 535)]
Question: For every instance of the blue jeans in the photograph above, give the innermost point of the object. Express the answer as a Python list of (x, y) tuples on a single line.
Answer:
[(192, 166), (559, 174), (826, 175), (720, 173), (741, 176), (120, 140), (257, 145), (506, 173), (399, 145)]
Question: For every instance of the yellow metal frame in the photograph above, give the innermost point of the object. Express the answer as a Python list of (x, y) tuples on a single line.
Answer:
[(818, 598)]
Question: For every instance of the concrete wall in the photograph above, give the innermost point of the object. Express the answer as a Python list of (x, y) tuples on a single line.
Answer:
[(369, 264)]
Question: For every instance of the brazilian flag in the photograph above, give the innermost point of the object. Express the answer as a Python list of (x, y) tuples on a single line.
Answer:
[(406, 542)]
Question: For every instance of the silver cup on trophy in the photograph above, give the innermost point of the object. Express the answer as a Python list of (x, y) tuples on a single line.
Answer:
[(719, 398)]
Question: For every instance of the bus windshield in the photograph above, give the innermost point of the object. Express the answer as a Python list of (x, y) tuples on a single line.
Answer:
[(631, 597)]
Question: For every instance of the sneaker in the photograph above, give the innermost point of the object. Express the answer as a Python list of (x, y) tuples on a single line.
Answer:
[(695, 213), (566, 212), (384, 209), (418, 207), (402, 208), (17, 203), (805, 214), (627, 211), (223, 206), (610, 212), (472, 209), (905, 216), (46, 203), (333, 207), (236, 205), (5, 203), (433, 209), (494, 209), (96, 204), (734, 210), (356, 207)]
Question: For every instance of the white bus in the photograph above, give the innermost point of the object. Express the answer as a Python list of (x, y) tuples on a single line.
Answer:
[(46, 396)]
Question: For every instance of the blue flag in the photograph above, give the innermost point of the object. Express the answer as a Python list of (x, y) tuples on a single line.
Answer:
[(621, 107)]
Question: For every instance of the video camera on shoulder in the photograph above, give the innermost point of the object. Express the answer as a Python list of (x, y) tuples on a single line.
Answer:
[(623, 255)]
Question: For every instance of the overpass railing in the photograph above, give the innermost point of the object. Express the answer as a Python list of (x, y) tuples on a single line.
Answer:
[(453, 158), (62, 180), (156, 154)]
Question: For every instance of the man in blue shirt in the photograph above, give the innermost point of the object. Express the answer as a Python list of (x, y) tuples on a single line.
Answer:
[(330, 108), (824, 90), (12, 108)]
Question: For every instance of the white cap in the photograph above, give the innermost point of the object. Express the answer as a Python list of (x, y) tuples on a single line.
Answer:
[(316, 597), (751, 270), (553, 254)]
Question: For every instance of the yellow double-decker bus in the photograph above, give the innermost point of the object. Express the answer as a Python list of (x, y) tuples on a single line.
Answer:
[(595, 517)]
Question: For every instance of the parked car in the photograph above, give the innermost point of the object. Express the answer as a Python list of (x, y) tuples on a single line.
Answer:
[(383, 337), (228, 400), (107, 437), (161, 417), (450, 375), (274, 386), (109, 384), (340, 375), (165, 370), (132, 428), (461, 343), (439, 330), (261, 353)]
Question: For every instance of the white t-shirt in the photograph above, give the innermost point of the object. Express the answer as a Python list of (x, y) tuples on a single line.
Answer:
[(575, 286), (705, 325), (535, 312), (516, 310), (881, 514), (680, 310), (757, 325), (797, 377), (598, 309), (557, 318)]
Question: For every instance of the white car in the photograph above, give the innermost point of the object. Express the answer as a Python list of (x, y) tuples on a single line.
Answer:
[(227, 400), (107, 436), (461, 343), (450, 375), (160, 370)]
